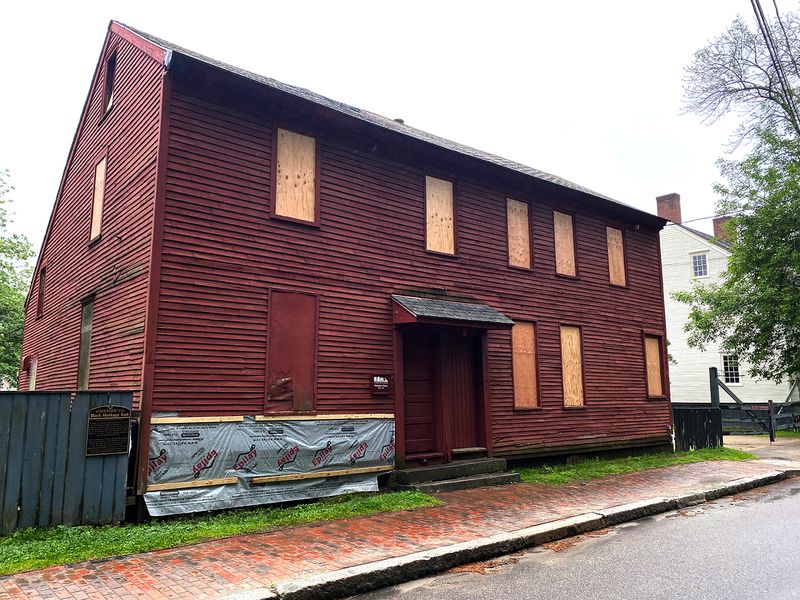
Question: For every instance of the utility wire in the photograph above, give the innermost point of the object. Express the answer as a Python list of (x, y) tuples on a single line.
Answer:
[(769, 41)]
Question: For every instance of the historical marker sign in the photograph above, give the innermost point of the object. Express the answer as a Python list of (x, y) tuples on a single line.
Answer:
[(108, 430)]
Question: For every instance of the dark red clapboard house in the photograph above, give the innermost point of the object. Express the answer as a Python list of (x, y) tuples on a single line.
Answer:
[(226, 245)]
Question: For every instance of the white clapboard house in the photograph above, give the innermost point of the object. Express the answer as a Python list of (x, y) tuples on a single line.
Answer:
[(689, 256)]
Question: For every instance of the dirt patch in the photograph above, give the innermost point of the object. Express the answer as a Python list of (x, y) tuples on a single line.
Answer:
[(567, 543), (487, 565)]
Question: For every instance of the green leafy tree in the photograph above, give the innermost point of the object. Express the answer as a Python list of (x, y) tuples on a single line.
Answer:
[(15, 273), (755, 311)]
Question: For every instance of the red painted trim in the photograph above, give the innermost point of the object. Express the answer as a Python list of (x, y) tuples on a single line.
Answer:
[(273, 184), (486, 405), (399, 399), (154, 285), (155, 52)]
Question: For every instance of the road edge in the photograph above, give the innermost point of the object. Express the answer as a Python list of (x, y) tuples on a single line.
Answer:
[(383, 573)]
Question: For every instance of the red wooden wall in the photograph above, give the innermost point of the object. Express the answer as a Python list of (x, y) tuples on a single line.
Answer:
[(115, 268), (222, 254)]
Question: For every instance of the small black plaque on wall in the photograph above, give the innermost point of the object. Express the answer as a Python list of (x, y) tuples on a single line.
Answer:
[(381, 384), (108, 430)]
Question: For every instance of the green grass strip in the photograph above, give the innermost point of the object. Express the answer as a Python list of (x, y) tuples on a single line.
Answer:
[(787, 434), (37, 548), (600, 467)]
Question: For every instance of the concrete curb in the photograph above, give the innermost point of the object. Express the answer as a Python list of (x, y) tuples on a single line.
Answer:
[(371, 576)]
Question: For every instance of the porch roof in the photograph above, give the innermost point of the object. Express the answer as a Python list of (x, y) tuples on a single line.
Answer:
[(412, 309)]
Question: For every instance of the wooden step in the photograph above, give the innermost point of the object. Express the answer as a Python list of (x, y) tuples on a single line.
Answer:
[(462, 483), (453, 470)]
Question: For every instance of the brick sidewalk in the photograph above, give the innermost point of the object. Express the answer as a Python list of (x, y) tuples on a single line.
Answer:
[(211, 569)]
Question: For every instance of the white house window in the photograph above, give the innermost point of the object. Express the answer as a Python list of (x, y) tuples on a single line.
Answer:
[(730, 368), (700, 265)]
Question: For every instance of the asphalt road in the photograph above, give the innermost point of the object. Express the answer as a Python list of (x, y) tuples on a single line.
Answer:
[(741, 547)]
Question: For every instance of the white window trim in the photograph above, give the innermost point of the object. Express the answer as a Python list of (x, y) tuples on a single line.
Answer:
[(722, 356), (691, 264)]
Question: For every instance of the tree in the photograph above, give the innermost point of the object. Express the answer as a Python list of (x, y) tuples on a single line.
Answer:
[(736, 72), (15, 272), (755, 312)]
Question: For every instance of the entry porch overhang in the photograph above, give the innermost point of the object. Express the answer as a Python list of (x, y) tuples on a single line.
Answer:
[(434, 311)]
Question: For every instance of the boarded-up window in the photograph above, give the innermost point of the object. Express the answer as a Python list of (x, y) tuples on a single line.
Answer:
[(85, 351), (40, 295), (519, 240), (97, 200), (439, 223), (572, 365), (653, 362), (296, 176), (616, 256), (108, 88), (565, 244), (523, 344), (32, 374), (291, 361)]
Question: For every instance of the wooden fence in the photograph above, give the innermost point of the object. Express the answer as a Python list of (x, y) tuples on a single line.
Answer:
[(63, 458), (697, 427)]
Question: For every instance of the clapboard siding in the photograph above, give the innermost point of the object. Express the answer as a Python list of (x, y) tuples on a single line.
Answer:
[(115, 268), (222, 253)]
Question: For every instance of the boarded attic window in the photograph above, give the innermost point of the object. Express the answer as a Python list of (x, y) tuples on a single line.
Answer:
[(108, 88), (572, 365), (296, 177), (439, 223), (564, 236), (616, 256), (519, 237), (40, 294), (84, 354), (523, 345), (97, 199), (32, 365)]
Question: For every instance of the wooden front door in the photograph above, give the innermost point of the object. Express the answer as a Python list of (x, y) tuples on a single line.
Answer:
[(461, 389), (420, 350), (442, 388)]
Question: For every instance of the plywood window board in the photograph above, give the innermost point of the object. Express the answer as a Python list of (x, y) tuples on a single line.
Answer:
[(296, 176), (439, 216), (653, 362), (97, 199), (519, 228), (572, 365), (616, 256), (85, 348), (564, 236), (524, 364)]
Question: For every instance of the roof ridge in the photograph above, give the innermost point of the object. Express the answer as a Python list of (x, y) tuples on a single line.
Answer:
[(385, 122)]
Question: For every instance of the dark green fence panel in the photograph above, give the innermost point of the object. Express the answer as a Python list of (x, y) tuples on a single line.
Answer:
[(46, 478), (697, 428)]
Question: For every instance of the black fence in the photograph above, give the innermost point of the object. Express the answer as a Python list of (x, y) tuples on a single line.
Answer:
[(697, 427), (63, 458)]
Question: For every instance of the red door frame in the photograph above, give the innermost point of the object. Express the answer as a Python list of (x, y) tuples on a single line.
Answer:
[(442, 433)]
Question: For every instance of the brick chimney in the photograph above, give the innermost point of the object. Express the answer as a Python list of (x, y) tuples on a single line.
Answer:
[(719, 231), (669, 207)]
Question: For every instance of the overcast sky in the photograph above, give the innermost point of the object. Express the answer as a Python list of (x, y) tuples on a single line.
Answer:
[(590, 91)]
